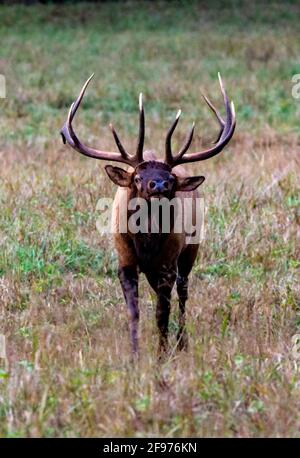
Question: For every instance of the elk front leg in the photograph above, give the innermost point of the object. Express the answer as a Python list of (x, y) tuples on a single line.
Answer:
[(128, 277), (165, 284)]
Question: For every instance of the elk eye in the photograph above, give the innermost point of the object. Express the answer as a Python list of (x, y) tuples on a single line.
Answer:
[(137, 180)]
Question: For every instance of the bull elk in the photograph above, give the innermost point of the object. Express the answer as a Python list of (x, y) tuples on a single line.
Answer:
[(163, 258)]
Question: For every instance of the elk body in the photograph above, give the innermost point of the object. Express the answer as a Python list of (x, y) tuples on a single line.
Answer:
[(165, 258)]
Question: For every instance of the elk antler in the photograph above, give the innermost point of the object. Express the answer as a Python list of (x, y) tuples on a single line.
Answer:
[(69, 136), (226, 132)]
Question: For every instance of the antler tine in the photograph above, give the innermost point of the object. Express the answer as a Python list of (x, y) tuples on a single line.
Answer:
[(67, 132), (227, 130), (169, 157), (69, 136), (227, 104), (121, 148), (218, 116), (213, 108), (79, 98), (141, 138), (186, 144)]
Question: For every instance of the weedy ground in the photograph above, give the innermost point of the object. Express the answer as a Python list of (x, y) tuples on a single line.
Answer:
[(68, 371)]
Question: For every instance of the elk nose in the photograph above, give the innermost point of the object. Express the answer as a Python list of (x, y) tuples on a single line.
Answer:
[(157, 185)]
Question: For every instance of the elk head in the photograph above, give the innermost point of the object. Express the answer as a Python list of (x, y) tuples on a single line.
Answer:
[(153, 178)]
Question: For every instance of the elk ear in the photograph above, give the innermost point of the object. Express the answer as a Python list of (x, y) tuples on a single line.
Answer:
[(119, 176), (189, 183)]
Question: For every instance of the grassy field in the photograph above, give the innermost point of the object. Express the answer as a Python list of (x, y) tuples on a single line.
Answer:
[(68, 370)]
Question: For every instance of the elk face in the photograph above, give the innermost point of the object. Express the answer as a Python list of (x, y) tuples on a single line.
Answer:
[(152, 179)]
